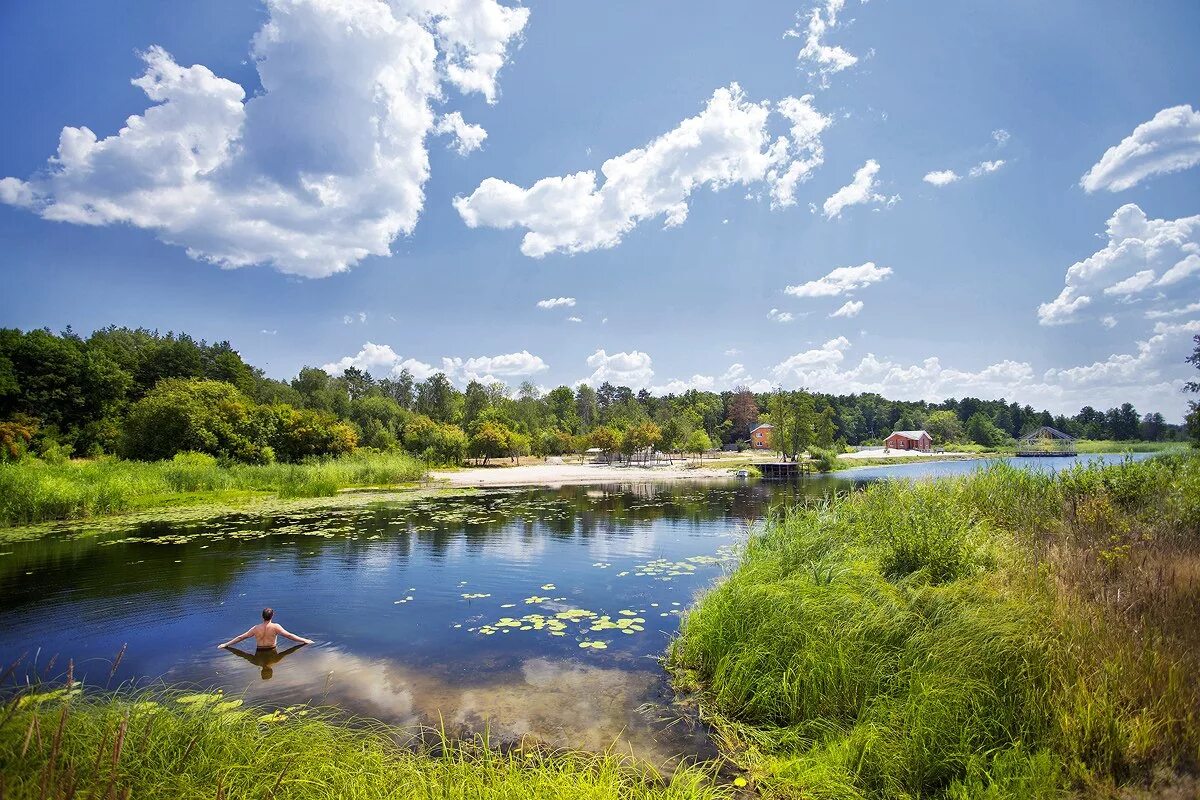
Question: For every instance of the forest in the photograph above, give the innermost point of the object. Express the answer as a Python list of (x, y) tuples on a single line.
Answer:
[(147, 395)]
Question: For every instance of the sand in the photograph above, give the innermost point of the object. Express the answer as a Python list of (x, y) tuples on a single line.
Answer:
[(555, 474)]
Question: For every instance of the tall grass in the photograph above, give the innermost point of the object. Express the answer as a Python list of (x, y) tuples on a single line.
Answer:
[(1115, 446), (1007, 635), (169, 745), (35, 491)]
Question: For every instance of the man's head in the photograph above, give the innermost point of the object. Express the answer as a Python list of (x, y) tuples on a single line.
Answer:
[(268, 612)]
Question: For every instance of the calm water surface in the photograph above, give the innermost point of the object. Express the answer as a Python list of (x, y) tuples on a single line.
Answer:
[(531, 611)]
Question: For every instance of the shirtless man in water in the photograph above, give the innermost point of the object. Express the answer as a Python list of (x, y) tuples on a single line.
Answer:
[(265, 632)]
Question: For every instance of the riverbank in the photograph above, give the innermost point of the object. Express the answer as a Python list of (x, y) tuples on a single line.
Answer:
[(963, 638), (885, 454), (33, 491), (559, 474), (61, 743)]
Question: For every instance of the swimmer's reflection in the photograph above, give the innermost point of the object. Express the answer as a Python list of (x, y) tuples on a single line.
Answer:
[(266, 657)]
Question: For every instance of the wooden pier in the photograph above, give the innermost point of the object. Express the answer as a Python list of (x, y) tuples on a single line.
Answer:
[(784, 470)]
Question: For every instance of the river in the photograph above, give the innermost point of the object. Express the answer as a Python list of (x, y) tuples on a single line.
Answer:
[(531, 611)]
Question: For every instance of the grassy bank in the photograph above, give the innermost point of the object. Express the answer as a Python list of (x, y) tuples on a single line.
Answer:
[(171, 745), (35, 491), (1004, 635), (1082, 446), (1111, 446), (839, 464)]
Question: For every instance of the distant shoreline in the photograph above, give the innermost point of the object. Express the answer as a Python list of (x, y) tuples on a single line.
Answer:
[(559, 474)]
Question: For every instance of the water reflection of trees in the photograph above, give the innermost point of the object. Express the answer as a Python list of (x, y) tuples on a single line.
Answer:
[(213, 554)]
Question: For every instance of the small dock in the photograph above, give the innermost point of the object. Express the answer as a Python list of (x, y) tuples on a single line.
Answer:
[(784, 470)]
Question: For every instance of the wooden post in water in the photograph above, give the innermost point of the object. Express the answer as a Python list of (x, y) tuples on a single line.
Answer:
[(784, 470)]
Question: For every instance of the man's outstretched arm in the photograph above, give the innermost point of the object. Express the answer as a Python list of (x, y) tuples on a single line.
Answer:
[(237, 639), (287, 635)]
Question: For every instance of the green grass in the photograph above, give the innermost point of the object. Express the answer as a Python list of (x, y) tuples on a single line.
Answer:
[(170, 745), (34, 491), (961, 638), (1112, 446), (850, 463)]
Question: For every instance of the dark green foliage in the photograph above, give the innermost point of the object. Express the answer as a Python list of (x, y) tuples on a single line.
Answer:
[(201, 416), (78, 393), (436, 442), (298, 433), (982, 430)]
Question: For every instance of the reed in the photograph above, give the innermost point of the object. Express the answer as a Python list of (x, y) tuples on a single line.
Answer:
[(36, 491), (165, 744), (1005, 634)]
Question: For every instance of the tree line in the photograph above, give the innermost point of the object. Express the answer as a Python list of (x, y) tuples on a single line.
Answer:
[(147, 395)]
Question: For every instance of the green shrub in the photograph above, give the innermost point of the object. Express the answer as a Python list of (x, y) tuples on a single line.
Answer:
[(824, 460)]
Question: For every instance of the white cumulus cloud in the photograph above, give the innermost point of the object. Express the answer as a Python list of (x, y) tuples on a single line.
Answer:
[(1150, 378), (1137, 282), (734, 377), (556, 302), (1169, 142), (494, 368), (1155, 262), (1154, 357), (942, 177), (727, 143), (841, 280), (985, 167), (382, 361), (863, 190), (775, 315), (945, 177), (803, 146), (700, 383), (1182, 311), (850, 308), (823, 59), (467, 137), (633, 369), (319, 170)]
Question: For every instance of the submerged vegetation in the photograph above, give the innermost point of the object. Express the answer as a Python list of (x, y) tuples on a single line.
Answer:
[(33, 490), (64, 743), (1004, 635)]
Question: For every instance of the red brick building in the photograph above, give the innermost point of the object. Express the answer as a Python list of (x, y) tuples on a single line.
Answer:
[(760, 437), (909, 440)]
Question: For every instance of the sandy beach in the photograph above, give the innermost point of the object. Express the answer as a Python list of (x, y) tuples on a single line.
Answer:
[(552, 474)]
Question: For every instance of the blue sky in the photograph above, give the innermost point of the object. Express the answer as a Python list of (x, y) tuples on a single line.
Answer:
[(284, 157)]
